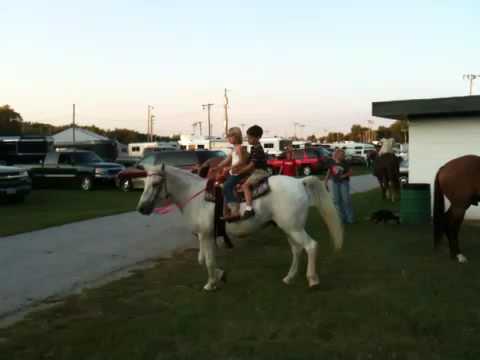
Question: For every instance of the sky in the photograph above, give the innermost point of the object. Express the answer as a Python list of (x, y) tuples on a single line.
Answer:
[(318, 63)]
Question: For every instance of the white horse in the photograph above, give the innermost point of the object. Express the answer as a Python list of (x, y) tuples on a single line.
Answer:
[(286, 205)]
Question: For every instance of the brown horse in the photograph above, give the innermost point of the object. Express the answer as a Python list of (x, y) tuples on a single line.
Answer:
[(387, 170), (459, 181)]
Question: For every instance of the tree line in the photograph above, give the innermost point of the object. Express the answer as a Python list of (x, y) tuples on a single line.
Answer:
[(12, 124), (359, 133)]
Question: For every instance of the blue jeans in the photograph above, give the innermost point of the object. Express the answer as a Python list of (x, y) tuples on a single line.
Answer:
[(343, 201), (229, 188)]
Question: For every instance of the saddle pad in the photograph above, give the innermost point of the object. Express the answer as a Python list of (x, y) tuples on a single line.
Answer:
[(261, 189)]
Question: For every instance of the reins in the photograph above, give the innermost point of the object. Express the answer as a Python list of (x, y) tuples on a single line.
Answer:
[(168, 208)]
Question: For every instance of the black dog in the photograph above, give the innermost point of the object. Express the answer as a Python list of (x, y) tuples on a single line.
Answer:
[(384, 216)]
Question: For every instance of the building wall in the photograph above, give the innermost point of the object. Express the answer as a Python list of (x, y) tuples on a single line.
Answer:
[(434, 142)]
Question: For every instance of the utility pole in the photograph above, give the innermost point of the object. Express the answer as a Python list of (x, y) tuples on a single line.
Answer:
[(73, 125), (295, 124), (226, 113), (149, 123), (151, 127), (208, 106), (470, 78)]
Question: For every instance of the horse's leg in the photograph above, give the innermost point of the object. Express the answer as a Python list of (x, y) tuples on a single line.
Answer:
[(296, 251), (455, 217), (214, 274), (201, 254), (310, 246), (393, 191)]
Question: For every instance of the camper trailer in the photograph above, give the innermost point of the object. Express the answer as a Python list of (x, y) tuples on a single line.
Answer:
[(16, 150), (138, 149), (275, 146)]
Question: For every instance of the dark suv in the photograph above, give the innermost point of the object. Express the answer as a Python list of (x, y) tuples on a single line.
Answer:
[(134, 177), (15, 183), (74, 167)]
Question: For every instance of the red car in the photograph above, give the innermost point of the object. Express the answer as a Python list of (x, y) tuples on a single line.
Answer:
[(134, 177), (309, 161)]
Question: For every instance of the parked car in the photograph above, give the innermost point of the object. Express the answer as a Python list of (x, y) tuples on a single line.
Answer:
[(74, 167), (404, 171), (15, 184), (134, 176), (309, 161)]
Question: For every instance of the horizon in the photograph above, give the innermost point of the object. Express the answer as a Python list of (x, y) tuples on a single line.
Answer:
[(316, 64)]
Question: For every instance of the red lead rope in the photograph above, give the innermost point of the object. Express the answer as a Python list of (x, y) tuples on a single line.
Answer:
[(170, 207)]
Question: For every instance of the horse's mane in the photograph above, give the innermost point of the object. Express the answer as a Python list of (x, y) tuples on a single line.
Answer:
[(157, 169)]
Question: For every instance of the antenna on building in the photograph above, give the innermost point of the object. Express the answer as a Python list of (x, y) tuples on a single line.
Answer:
[(470, 78)]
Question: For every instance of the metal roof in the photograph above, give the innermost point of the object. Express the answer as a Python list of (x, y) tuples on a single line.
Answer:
[(417, 109)]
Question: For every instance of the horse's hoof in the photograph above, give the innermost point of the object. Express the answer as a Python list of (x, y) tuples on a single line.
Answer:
[(210, 287), (223, 276), (462, 259), (313, 282), (287, 280)]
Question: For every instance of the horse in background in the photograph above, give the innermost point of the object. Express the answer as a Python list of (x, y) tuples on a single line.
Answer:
[(386, 169), (459, 181)]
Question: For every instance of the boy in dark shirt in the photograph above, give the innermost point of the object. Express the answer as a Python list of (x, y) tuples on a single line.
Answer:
[(257, 167)]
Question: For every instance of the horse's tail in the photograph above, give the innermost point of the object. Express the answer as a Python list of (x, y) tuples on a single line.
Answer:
[(438, 211), (323, 201)]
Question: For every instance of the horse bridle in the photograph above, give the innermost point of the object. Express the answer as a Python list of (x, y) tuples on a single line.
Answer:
[(163, 185)]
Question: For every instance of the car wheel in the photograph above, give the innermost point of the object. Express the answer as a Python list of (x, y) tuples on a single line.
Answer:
[(126, 185), (307, 171), (86, 183), (17, 199)]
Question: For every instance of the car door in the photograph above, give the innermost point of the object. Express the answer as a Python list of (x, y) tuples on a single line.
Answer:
[(138, 178), (65, 172)]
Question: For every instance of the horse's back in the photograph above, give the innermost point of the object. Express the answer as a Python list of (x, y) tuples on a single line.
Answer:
[(459, 179)]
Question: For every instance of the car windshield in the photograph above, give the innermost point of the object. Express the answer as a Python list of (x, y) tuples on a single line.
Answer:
[(86, 157)]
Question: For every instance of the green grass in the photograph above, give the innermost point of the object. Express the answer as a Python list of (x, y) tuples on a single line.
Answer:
[(361, 170), (45, 208), (386, 296)]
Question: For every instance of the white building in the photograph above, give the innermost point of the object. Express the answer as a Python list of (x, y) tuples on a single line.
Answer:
[(440, 130)]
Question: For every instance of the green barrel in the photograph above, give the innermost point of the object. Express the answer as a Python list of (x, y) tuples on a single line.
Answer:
[(415, 204)]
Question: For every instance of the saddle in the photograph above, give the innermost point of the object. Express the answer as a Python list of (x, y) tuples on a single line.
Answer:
[(215, 187)]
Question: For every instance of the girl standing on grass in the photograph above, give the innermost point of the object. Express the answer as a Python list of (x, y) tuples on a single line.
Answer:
[(340, 173)]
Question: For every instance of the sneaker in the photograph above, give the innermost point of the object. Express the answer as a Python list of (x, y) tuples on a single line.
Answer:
[(248, 213)]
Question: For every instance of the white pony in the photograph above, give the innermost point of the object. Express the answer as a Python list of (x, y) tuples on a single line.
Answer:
[(286, 205)]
